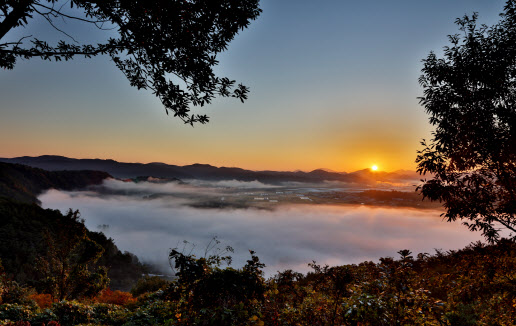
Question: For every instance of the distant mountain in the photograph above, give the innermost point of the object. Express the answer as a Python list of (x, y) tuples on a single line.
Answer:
[(24, 183), (407, 174), (116, 169), (329, 170), (205, 171)]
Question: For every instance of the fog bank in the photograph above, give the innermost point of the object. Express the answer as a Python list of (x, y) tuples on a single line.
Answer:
[(286, 237)]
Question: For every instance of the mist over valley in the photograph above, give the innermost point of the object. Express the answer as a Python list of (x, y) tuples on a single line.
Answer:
[(288, 224)]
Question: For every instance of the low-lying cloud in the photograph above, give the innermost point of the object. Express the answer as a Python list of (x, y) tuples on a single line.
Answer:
[(288, 236), (144, 187), (233, 184)]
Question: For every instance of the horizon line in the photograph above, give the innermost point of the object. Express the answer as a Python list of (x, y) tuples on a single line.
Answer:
[(229, 167)]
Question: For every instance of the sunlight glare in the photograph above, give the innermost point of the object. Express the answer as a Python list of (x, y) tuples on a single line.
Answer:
[(374, 167)]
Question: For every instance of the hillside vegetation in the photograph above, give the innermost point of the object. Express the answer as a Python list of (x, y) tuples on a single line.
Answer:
[(472, 286), (35, 241), (24, 183)]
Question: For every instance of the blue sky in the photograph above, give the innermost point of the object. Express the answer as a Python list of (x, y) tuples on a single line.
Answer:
[(333, 84)]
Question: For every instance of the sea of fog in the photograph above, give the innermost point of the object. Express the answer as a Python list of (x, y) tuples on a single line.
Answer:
[(286, 237)]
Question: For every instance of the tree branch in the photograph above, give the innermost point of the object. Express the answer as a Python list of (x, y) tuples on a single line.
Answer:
[(58, 12), (35, 53), (45, 15), (11, 20)]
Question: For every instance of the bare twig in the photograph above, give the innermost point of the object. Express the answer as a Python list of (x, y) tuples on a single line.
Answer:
[(54, 26), (15, 43), (58, 12)]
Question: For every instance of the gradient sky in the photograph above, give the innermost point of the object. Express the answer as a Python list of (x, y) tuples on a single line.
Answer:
[(333, 85)]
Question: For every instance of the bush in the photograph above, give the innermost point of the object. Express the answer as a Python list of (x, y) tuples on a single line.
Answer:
[(16, 312), (115, 297), (45, 317), (108, 314), (72, 312), (42, 300), (14, 293), (149, 284), (155, 313)]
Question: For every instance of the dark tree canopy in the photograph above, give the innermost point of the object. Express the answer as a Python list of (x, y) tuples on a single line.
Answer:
[(470, 95), (167, 46)]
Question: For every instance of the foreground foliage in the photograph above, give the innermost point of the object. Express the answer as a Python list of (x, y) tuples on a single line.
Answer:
[(470, 96), (167, 46), (472, 286)]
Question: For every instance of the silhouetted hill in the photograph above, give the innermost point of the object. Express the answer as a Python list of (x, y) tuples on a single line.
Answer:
[(114, 168), (329, 170), (206, 171), (25, 230), (24, 183), (323, 173)]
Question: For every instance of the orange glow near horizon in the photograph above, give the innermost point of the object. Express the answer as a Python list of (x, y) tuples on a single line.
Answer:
[(252, 161), (284, 150), (289, 155)]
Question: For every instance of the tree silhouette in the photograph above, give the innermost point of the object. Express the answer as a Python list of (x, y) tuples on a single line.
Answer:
[(167, 46), (470, 95), (68, 268)]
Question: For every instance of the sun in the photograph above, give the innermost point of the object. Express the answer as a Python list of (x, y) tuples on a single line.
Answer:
[(374, 167)]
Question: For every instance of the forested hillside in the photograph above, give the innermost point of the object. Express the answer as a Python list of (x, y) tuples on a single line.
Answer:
[(23, 183), (36, 242)]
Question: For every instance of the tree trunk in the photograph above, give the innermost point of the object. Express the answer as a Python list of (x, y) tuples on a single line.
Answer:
[(19, 11)]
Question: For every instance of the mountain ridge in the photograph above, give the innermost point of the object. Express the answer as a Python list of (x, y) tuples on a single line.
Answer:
[(205, 171), (24, 183)]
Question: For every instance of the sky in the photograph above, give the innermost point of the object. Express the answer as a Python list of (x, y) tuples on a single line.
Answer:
[(333, 85)]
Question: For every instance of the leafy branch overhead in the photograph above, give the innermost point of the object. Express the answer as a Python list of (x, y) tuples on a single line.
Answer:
[(167, 46), (470, 95)]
